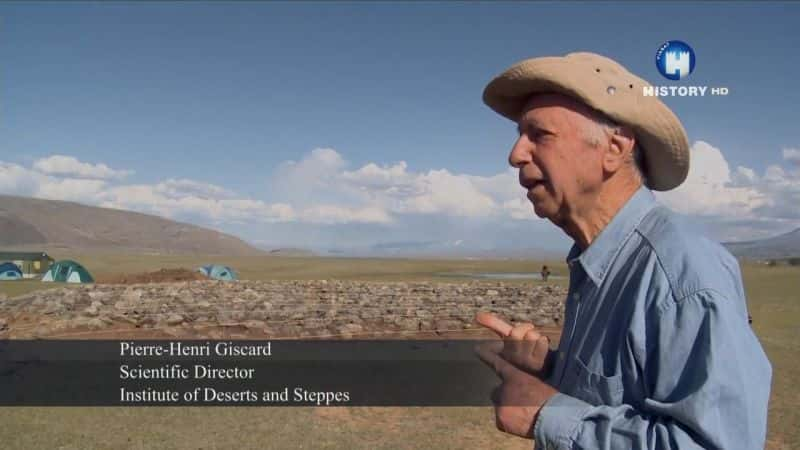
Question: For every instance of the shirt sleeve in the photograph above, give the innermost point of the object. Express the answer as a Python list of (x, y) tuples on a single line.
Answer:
[(707, 381)]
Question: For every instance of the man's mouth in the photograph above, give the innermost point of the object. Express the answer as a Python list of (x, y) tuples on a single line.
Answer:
[(532, 184)]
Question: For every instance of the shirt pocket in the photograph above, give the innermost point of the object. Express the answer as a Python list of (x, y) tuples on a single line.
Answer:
[(596, 388)]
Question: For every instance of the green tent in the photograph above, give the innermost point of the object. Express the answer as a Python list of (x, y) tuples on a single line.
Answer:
[(218, 272), (68, 271)]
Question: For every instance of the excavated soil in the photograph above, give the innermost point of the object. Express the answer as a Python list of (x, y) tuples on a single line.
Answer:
[(159, 276)]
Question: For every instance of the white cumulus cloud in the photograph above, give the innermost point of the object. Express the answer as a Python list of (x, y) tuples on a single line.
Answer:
[(153, 199), (71, 189), (738, 204), (383, 191), (431, 192), (62, 165), (709, 188), (19, 180), (792, 155)]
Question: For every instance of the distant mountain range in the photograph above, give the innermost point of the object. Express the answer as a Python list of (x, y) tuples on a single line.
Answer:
[(291, 251), (28, 223), (778, 247)]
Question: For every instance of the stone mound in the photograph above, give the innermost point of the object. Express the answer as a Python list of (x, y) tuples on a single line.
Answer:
[(273, 309)]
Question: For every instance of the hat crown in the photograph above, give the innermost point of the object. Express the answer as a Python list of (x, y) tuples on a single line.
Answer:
[(605, 66)]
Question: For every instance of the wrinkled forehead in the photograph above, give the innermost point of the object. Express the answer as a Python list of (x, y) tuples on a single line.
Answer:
[(556, 109)]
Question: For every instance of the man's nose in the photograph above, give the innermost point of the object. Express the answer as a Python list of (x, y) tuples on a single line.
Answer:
[(520, 153)]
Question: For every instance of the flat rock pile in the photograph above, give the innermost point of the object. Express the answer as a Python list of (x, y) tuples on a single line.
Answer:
[(277, 308)]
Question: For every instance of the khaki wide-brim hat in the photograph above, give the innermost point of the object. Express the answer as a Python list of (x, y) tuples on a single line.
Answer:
[(609, 88)]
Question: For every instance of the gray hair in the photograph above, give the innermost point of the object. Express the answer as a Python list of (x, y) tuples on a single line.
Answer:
[(598, 133)]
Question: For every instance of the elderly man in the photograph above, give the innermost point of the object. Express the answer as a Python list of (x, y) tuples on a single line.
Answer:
[(656, 351)]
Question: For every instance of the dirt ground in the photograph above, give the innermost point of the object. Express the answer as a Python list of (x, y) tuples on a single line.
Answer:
[(159, 276)]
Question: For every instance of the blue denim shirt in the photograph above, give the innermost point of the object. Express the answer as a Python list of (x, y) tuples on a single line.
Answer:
[(656, 350)]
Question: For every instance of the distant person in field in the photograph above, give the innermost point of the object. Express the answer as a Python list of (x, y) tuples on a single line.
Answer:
[(656, 351), (545, 273)]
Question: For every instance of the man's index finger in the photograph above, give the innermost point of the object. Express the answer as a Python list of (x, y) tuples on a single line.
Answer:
[(494, 323)]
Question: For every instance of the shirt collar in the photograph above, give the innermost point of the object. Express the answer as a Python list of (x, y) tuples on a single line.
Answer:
[(596, 259)]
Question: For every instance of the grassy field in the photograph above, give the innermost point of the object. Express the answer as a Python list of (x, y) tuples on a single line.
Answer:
[(773, 300), (301, 268), (773, 295)]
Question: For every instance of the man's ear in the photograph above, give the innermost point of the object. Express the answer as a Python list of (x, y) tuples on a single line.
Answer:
[(619, 151)]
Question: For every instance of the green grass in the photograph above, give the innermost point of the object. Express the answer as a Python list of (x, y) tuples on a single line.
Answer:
[(773, 301)]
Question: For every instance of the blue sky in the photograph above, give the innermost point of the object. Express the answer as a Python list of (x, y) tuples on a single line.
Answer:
[(360, 125)]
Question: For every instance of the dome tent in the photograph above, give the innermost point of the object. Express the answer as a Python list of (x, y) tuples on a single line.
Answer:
[(68, 271), (10, 271), (218, 272)]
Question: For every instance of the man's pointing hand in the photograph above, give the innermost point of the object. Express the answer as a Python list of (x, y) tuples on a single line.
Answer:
[(522, 345), (519, 398)]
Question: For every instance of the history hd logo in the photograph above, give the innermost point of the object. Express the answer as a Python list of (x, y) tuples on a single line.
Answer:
[(675, 60)]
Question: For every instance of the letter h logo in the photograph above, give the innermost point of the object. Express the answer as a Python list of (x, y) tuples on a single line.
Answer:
[(677, 63)]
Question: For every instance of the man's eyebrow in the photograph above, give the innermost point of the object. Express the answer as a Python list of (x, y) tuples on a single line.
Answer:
[(535, 125)]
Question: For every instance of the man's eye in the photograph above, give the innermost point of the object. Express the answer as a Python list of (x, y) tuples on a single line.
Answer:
[(533, 134)]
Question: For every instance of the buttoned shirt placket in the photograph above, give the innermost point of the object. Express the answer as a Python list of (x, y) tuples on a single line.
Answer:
[(578, 280)]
